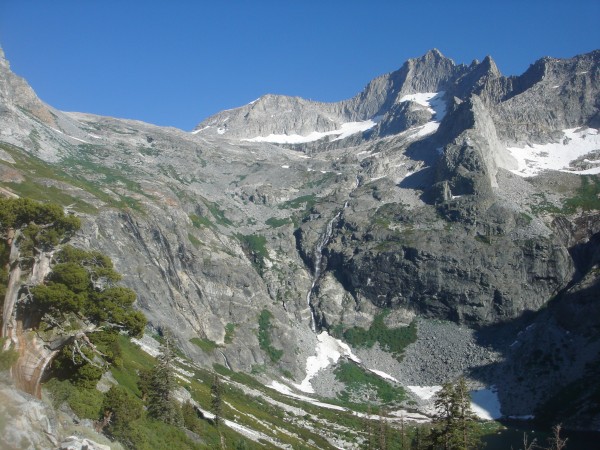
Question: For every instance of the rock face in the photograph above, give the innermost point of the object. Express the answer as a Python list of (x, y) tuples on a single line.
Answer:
[(29, 423), (461, 275), (415, 210)]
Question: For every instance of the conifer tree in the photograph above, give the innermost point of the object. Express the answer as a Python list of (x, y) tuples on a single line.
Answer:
[(119, 410), (216, 402), (383, 431), (161, 402), (455, 422)]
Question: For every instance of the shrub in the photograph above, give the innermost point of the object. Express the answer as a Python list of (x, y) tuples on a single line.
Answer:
[(264, 336), (393, 340), (7, 357), (206, 345)]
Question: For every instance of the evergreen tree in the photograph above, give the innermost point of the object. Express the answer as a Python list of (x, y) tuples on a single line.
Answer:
[(454, 424), (119, 410), (216, 403), (144, 382), (161, 402), (368, 427), (383, 431), (402, 434), (191, 420)]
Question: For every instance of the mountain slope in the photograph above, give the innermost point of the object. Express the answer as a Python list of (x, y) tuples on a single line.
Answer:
[(402, 201)]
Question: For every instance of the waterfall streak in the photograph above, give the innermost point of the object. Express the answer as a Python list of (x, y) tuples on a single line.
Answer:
[(318, 258)]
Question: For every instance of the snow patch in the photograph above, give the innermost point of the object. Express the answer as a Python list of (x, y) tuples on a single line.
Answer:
[(243, 430), (147, 344), (485, 404), (383, 375), (428, 128), (285, 167), (575, 143), (346, 129), (410, 416), (432, 100), (69, 136), (285, 390), (328, 351), (424, 392), (201, 129)]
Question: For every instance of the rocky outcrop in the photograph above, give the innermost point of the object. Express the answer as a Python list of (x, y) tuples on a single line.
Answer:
[(28, 423), (551, 95), (470, 161), (15, 91), (474, 274)]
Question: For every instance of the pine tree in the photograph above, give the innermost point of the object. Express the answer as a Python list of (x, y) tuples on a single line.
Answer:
[(120, 409), (368, 426), (466, 437), (402, 433), (383, 431), (216, 404), (455, 422), (161, 402)]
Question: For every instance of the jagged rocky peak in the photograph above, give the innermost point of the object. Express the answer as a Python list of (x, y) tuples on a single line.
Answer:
[(429, 73), (550, 96), (282, 115), (486, 69), (521, 114)]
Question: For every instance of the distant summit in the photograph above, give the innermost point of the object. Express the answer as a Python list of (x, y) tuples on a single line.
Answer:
[(277, 115)]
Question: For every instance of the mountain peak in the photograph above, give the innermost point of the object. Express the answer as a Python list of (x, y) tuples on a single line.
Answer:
[(434, 53), (433, 56), (490, 65)]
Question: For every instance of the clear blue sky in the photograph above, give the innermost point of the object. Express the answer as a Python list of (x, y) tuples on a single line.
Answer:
[(177, 62)]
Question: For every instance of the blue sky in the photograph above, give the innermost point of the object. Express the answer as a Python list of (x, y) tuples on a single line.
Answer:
[(177, 62)]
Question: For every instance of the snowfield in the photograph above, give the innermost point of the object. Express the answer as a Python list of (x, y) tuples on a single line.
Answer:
[(282, 388), (576, 143), (148, 344), (328, 351), (424, 392), (347, 129), (436, 106), (432, 100), (484, 402)]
